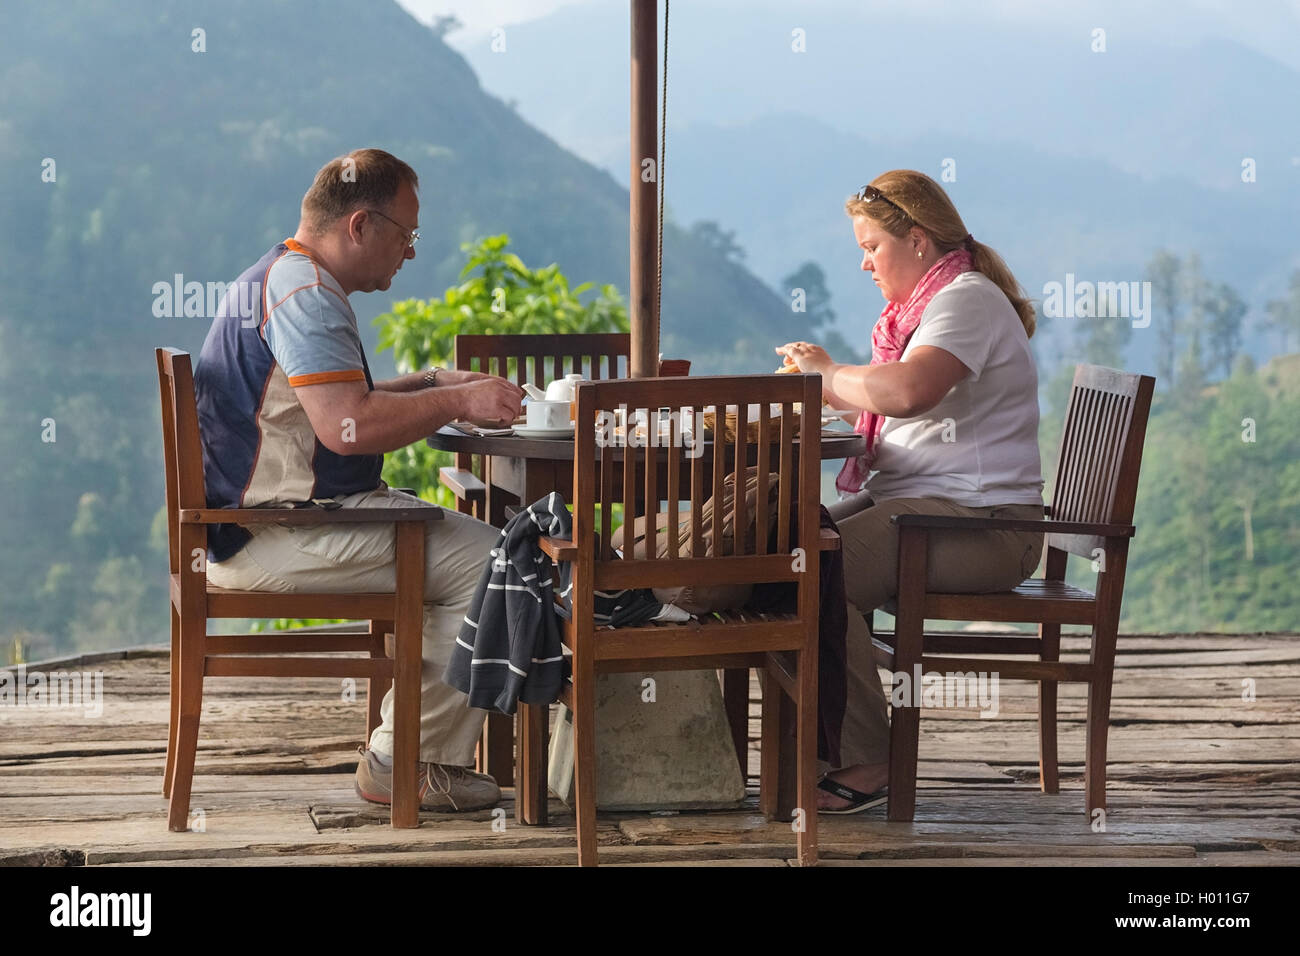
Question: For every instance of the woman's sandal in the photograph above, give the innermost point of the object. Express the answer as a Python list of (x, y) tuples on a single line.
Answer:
[(859, 801)]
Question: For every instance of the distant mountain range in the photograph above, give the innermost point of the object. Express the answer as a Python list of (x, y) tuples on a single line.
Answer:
[(1066, 160)]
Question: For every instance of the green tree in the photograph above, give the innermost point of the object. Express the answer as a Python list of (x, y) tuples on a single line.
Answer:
[(1284, 313), (1163, 271), (444, 24), (816, 299), (716, 238), (1225, 311), (1103, 339)]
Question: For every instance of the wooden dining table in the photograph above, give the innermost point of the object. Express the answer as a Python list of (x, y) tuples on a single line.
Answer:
[(519, 470)]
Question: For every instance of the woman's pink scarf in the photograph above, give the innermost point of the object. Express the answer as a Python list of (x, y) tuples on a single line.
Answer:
[(888, 340)]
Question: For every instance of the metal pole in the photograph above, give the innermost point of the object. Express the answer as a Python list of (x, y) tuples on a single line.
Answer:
[(643, 307)]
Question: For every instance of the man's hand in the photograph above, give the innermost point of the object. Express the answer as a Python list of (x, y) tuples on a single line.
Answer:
[(350, 419), (489, 400)]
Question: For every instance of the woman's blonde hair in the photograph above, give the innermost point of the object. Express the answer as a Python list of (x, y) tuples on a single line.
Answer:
[(920, 201)]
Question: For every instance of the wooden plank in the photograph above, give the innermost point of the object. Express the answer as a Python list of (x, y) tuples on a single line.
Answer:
[(43, 785), (1200, 860), (770, 855), (871, 829)]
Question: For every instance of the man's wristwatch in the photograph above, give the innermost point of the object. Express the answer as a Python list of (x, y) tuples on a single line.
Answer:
[(431, 376)]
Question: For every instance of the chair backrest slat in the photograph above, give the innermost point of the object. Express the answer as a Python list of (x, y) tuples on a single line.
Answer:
[(1101, 452), (672, 492), (697, 487), (786, 467), (629, 487), (606, 494), (719, 478), (762, 469), (738, 456)]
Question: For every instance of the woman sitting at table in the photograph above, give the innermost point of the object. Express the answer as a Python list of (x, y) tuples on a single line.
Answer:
[(949, 409)]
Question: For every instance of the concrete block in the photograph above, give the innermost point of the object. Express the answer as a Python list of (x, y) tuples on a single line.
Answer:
[(670, 753)]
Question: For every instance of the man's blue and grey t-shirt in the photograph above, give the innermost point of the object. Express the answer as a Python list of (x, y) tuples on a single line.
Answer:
[(259, 447)]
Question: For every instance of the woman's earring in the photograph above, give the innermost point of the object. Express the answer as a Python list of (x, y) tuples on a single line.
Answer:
[(919, 255)]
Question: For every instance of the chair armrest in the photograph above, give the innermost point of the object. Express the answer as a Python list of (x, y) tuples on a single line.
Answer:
[(559, 549), (828, 540), (308, 516), (963, 523), (463, 484)]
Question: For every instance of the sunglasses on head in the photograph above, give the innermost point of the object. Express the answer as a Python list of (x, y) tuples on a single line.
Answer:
[(871, 194)]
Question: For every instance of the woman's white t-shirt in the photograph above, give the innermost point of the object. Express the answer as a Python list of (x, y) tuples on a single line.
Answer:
[(979, 445)]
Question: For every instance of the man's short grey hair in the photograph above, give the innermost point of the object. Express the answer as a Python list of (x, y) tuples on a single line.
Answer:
[(363, 178)]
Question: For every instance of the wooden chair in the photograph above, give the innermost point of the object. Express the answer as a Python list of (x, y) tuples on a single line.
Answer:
[(784, 647), (197, 654), (1091, 516), (536, 359)]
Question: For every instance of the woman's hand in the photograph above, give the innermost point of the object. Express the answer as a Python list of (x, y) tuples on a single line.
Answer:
[(902, 389), (810, 358)]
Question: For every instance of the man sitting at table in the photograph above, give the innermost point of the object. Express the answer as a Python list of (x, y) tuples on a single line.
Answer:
[(289, 414)]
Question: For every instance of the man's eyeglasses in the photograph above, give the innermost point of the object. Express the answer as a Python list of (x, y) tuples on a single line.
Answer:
[(871, 194), (412, 237)]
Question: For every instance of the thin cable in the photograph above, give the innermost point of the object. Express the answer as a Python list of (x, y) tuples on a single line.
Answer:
[(663, 150)]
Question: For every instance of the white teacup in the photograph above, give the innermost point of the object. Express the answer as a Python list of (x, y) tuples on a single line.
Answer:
[(548, 415)]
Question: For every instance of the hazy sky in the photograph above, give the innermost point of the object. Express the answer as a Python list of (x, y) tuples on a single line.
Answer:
[(1270, 26)]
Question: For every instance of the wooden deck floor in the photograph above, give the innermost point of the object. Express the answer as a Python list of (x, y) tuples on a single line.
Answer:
[(1198, 776)]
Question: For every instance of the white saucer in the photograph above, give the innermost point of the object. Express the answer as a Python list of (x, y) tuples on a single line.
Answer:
[(523, 431)]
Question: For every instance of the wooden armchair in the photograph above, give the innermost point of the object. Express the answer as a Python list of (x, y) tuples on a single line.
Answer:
[(784, 647), (1090, 516), (197, 654), (535, 359)]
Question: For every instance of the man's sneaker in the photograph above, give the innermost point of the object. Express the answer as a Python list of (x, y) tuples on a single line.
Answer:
[(441, 787)]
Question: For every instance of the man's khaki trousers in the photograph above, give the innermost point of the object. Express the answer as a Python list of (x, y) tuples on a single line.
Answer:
[(360, 558)]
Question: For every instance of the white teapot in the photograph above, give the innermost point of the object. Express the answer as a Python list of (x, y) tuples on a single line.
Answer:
[(564, 389)]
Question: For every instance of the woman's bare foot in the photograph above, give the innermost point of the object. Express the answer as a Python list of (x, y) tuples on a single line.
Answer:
[(864, 777)]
